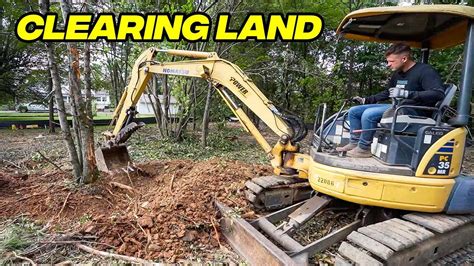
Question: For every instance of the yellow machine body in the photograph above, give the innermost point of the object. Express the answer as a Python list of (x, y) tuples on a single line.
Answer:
[(422, 192)]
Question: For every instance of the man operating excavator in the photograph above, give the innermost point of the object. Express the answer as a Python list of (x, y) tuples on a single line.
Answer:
[(411, 83)]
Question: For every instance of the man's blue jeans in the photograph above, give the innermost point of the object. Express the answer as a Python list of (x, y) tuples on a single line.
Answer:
[(365, 117)]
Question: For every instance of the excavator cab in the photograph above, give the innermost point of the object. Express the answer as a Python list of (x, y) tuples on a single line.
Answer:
[(416, 162), (402, 140)]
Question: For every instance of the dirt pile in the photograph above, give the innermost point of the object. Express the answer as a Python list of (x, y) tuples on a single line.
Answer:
[(164, 211)]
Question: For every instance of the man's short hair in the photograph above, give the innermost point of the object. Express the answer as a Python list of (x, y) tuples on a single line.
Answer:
[(398, 49)]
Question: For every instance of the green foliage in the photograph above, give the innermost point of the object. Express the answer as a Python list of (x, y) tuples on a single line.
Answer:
[(294, 76), (448, 62), (85, 218), (19, 234), (224, 141)]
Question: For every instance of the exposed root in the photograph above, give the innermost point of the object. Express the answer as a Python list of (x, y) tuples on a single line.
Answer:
[(49, 161), (216, 231), (64, 205), (171, 183), (122, 186)]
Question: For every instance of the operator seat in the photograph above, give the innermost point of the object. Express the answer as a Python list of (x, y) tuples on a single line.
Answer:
[(409, 124)]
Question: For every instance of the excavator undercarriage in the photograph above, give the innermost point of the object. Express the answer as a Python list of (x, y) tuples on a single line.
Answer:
[(373, 237)]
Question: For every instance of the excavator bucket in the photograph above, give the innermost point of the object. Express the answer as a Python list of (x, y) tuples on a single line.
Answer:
[(112, 158)]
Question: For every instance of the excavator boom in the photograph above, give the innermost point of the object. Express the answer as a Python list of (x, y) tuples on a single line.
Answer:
[(229, 81)]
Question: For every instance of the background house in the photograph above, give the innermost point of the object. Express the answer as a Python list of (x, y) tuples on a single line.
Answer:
[(145, 106), (102, 99)]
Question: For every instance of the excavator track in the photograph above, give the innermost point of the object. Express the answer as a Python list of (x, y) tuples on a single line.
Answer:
[(413, 239), (275, 192), (462, 256)]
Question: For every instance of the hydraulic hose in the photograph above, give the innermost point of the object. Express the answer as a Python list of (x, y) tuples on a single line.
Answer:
[(297, 125)]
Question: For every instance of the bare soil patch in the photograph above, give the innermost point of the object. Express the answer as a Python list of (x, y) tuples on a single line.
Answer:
[(166, 214)]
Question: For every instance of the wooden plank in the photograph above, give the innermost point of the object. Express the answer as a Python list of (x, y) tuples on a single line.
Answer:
[(357, 255), (388, 241), (371, 245), (426, 222), (419, 230)]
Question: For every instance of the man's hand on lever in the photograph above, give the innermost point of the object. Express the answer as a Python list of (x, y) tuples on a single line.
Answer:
[(398, 93), (358, 99)]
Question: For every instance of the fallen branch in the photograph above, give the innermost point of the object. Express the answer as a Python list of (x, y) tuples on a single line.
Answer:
[(108, 190), (64, 242), (64, 204), (32, 195), (111, 255), (119, 185), (24, 258), (12, 164), (128, 174), (29, 188), (49, 161), (217, 232)]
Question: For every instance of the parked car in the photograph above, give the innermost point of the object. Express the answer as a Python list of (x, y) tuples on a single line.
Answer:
[(34, 107)]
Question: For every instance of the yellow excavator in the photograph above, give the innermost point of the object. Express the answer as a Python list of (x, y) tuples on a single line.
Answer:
[(412, 203)]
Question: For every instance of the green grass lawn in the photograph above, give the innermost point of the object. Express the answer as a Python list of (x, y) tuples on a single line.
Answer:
[(17, 114)]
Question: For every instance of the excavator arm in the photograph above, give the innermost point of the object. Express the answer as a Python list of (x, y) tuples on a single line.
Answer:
[(229, 81)]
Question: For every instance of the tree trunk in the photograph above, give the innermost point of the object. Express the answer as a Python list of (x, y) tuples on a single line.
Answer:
[(75, 120), (205, 117), (51, 104), (60, 102), (83, 114), (156, 106), (166, 106), (89, 168)]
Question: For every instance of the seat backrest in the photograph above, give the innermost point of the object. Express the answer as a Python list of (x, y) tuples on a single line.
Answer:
[(449, 91)]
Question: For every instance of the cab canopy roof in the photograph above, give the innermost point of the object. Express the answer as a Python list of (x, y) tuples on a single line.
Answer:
[(428, 26)]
